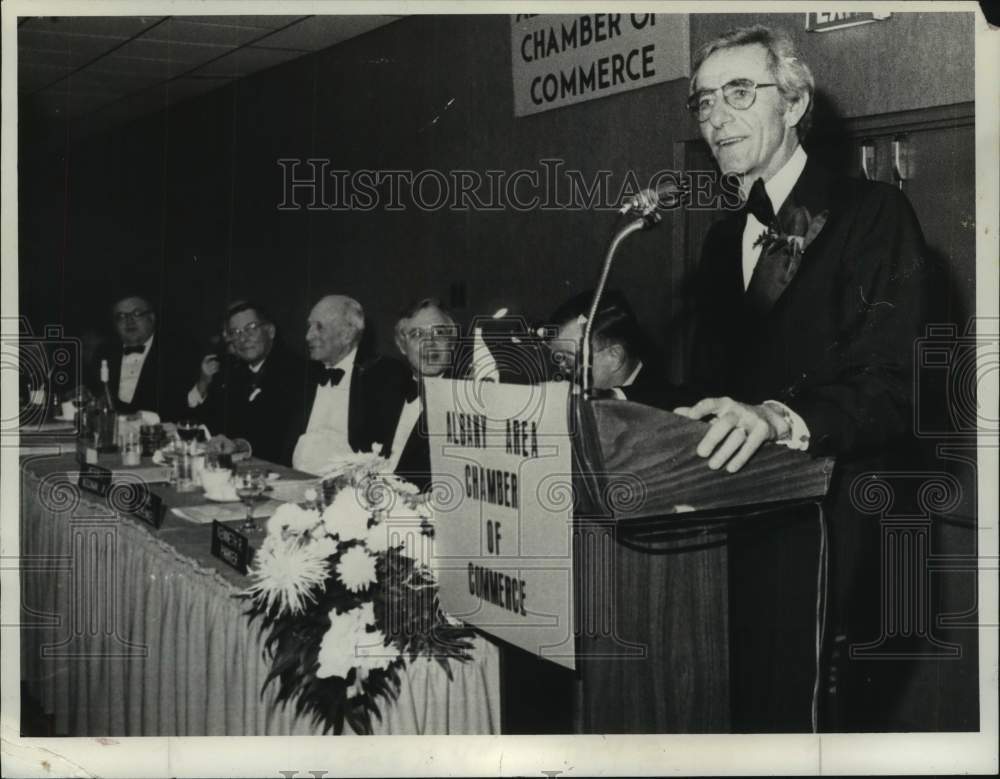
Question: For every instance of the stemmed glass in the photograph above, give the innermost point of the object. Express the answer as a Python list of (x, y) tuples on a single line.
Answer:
[(188, 430), (250, 485)]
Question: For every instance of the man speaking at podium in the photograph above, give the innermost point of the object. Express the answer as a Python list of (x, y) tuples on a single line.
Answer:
[(808, 302)]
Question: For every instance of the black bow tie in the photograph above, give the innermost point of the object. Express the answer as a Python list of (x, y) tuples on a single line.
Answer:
[(412, 390), (759, 204), (127, 350), (330, 376)]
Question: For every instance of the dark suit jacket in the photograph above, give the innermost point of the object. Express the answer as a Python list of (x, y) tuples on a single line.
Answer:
[(414, 463), (650, 387), (168, 372), (265, 420), (376, 398), (837, 348), (837, 345)]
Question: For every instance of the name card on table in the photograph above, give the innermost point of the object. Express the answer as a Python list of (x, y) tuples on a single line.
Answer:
[(150, 509), (231, 546), (94, 478)]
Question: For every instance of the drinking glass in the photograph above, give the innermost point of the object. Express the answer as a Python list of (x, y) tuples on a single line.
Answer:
[(151, 438), (188, 430), (241, 450), (250, 485)]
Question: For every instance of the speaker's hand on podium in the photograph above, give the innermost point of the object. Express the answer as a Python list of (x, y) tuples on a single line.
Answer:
[(737, 431)]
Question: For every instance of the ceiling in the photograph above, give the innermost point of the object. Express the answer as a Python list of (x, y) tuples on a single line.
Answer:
[(103, 70)]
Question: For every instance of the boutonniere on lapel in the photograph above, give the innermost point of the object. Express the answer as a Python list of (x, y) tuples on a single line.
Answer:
[(803, 228), (782, 246)]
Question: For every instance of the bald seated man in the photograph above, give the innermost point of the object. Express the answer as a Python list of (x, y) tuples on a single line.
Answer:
[(343, 409)]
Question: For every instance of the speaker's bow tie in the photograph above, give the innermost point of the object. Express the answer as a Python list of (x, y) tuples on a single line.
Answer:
[(759, 204)]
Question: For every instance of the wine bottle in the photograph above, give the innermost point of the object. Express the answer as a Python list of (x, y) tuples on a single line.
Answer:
[(106, 429)]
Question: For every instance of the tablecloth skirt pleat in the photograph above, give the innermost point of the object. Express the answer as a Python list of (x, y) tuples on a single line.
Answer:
[(125, 636)]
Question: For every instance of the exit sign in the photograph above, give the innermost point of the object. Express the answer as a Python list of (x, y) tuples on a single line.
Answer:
[(837, 20)]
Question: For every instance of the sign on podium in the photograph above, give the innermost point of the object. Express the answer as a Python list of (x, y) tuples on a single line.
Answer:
[(503, 499)]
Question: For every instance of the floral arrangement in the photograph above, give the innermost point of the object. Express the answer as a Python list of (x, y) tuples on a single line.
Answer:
[(344, 598), (802, 230), (782, 247)]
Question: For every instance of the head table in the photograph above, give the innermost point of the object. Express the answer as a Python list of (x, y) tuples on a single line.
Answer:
[(132, 631)]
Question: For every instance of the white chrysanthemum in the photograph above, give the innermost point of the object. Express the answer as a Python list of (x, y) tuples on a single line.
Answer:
[(402, 521), (285, 572), (356, 569), (377, 538), (347, 517), (371, 653), (348, 644), (364, 614), (401, 512), (399, 484), (423, 508), (356, 466), (310, 495), (336, 650), (292, 517), (324, 547)]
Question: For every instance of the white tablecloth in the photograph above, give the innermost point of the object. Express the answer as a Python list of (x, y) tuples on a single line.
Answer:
[(133, 632)]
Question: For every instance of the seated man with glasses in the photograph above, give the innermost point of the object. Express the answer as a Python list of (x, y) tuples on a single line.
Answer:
[(253, 391), (147, 371), (623, 364), (425, 336), (808, 301)]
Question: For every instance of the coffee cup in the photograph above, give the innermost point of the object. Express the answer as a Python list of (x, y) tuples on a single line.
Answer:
[(218, 483)]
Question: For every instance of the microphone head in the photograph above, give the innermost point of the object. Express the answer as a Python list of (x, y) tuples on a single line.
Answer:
[(670, 194), (667, 195)]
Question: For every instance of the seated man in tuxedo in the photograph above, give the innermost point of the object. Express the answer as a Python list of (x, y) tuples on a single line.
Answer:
[(146, 371), (349, 401), (253, 393), (622, 362), (808, 302), (425, 336)]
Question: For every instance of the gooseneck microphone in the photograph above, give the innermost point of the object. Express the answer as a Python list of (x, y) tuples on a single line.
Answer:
[(646, 206), (666, 196)]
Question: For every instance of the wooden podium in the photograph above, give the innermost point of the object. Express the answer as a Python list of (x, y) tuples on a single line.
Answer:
[(662, 596), (695, 589)]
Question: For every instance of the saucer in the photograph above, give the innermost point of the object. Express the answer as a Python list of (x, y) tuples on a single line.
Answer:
[(221, 499), (217, 499)]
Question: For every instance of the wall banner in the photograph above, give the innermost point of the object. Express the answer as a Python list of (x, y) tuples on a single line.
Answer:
[(559, 60)]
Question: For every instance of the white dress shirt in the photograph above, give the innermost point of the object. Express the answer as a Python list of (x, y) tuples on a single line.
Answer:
[(618, 392), (131, 369), (325, 441), (778, 189)]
